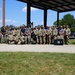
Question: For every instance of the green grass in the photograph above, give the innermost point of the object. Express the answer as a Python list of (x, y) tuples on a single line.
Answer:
[(37, 63), (72, 41)]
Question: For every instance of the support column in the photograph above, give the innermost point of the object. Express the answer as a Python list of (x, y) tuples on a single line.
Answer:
[(28, 14), (3, 13), (57, 19), (45, 17)]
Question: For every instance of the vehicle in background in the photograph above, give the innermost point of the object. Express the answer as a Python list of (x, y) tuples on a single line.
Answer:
[(72, 34)]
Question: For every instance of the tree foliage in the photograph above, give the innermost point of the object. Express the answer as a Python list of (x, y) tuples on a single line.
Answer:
[(67, 19), (55, 23)]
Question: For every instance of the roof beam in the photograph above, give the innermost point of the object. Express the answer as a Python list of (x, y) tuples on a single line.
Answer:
[(37, 7), (64, 5), (67, 10), (68, 3), (56, 5), (53, 5), (37, 4)]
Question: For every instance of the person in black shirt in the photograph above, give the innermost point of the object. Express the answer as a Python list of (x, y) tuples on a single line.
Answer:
[(3, 31), (22, 30)]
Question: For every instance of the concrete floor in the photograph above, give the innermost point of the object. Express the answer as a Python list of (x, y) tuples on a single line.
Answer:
[(37, 48)]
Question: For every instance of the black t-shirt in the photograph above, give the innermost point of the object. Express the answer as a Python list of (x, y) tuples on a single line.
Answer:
[(3, 31), (23, 30)]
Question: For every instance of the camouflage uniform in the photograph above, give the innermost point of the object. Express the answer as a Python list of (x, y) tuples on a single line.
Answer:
[(66, 34), (14, 32), (21, 39), (9, 38), (39, 36), (49, 34), (18, 32), (61, 33), (28, 35), (36, 34), (15, 39), (54, 34), (43, 35), (7, 34)]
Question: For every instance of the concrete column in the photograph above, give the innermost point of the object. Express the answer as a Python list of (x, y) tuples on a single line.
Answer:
[(3, 13), (28, 14), (45, 17)]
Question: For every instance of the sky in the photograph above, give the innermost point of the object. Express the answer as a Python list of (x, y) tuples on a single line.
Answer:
[(16, 14)]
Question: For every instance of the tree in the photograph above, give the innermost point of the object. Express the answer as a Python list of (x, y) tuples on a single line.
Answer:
[(73, 28), (67, 19), (55, 23)]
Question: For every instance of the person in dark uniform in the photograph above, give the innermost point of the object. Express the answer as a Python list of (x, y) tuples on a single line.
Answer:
[(33, 36), (3, 31), (0, 37), (22, 30)]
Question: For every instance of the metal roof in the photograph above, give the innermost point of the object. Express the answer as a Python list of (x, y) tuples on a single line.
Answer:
[(56, 5)]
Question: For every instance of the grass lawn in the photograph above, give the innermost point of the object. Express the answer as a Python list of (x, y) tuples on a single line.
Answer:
[(37, 63), (72, 41)]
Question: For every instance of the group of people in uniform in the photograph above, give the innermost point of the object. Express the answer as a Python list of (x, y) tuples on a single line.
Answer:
[(35, 35)]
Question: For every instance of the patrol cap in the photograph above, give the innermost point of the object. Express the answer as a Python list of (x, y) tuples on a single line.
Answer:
[(61, 26)]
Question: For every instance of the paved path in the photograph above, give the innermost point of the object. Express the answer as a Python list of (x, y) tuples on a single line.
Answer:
[(37, 48)]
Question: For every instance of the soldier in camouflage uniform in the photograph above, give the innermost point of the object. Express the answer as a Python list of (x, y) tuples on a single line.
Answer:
[(21, 39), (54, 34), (61, 33), (7, 34), (15, 39), (9, 38), (43, 35), (18, 31), (36, 33), (28, 35), (67, 32), (14, 31), (39, 35), (49, 34)]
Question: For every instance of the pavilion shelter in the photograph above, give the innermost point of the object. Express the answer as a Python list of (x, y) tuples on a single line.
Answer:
[(57, 5)]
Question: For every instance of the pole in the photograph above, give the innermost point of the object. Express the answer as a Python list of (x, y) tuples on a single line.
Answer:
[(28, 14), (57, 19), (45, 17), (3, 13)]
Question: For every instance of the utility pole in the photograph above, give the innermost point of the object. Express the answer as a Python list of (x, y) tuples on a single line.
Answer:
[(3, 13)]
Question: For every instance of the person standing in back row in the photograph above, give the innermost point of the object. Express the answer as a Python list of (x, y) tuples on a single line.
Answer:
[(39, 35), (43, 34), (0, 37), (54, 34), (3, 31), (61, 33), (67, 32)]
